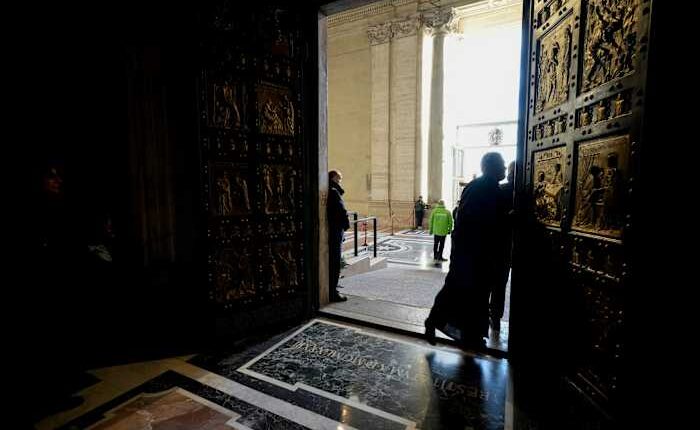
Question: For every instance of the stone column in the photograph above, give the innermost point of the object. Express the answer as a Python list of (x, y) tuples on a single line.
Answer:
[(438, 22), (379, 38), (404, 83)]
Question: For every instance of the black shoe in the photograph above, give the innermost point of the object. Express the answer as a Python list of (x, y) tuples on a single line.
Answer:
[(338, 298), (429, 333)]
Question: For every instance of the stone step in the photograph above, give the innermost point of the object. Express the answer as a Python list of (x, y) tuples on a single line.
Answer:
[(362, 264)]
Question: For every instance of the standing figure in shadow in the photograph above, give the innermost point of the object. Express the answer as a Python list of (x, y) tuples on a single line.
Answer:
[(498, 294), (337, 224), (461, 308)]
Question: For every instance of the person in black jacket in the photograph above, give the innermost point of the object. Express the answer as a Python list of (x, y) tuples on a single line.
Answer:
[(337, 223), (498, 293), (461, 308)]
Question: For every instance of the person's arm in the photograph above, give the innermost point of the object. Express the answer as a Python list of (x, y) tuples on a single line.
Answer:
[(334, 208), (345, 222), (449, 222)]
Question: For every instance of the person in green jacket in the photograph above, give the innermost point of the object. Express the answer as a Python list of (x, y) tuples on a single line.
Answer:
[(440, 227)]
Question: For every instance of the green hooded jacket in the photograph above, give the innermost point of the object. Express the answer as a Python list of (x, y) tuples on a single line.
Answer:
[(440, 221)]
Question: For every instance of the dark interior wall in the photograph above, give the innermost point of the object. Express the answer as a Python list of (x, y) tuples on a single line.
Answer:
[(108, 93)]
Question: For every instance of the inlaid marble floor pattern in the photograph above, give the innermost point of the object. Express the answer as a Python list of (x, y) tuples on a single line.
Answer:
[(321, 375)]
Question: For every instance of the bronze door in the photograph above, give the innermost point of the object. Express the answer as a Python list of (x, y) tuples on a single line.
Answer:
[(579, 157), (254, 145)]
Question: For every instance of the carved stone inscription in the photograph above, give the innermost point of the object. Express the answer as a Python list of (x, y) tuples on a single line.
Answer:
[(548, 185), (611, 41), (276, 113), (349, 364), (553, 67), (603, 166)]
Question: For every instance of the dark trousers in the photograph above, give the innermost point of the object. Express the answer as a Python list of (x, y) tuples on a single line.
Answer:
[(335, 244), (498, 293), (438, 246), (419, 219)]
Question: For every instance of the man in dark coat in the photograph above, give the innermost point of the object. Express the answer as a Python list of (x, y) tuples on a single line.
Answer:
[(461, 308), (498, 294), (337, 223), (419, 208)]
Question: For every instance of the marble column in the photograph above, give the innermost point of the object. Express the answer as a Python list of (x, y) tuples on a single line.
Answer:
[(439, 23)]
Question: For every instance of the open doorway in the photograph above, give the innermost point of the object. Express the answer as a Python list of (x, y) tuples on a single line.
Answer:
[(417, 94)]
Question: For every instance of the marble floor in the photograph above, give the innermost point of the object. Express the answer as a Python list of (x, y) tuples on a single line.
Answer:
[(401, 295), (402, 318), (413, 250), (399, 284), (320, 375)]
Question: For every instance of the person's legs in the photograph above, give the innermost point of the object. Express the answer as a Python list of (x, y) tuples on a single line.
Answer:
[(436, 245), (441, 247), (437, 318), (498, 299), (335, 244)]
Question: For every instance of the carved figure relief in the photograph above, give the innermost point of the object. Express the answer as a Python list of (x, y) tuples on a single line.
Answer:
[(279, 184), (611, 41), (548, 191), (584, 118), (549, 10), (548, 129), (597, 258), (231, 193), (233, 276), (600, 180), (559, 126), (283, 266), (276, 111), (606, 109), (223, 189), (282, 42), (619, 106), (553, 67), (226, 104), (600, 113), (227, 233), (228, 145)]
